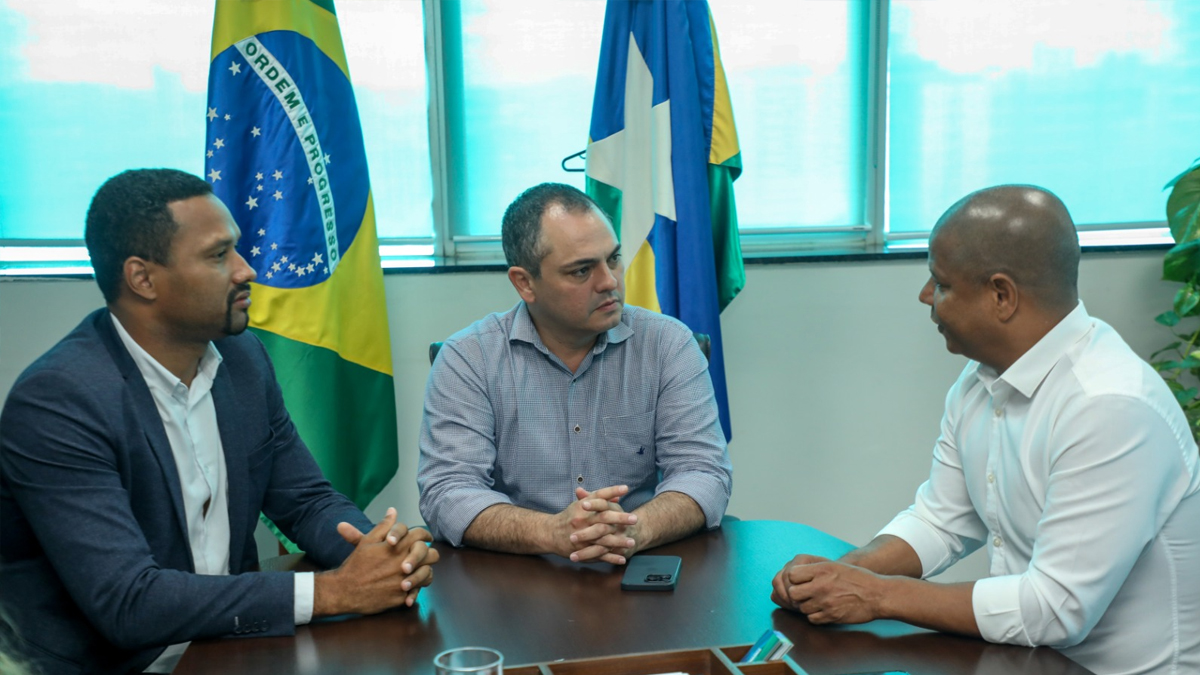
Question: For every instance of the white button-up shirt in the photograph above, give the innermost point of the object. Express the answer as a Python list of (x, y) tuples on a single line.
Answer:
[(1078, 470), (190, 421)]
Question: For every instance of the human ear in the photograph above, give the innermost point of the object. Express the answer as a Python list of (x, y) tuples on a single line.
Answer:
[(1004, 294), (138, 278), (522, 280)]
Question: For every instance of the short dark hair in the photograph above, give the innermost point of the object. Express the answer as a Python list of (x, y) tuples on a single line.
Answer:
[(129, 217), (521, 229)]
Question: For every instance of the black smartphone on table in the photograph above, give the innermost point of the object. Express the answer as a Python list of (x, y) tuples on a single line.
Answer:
[(651, 573)]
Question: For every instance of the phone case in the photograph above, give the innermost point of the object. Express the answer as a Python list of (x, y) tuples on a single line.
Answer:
[(651, 573)]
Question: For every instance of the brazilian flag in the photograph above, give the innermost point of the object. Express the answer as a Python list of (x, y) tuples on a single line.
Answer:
[(285, 153), (661, 160)]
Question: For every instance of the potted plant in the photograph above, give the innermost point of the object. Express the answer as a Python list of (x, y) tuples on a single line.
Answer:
[(1179, 362)]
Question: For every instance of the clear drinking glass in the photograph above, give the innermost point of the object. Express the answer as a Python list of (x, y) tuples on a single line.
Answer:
[(469, 660)]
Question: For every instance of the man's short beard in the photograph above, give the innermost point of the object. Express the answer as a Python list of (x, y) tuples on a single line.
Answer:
[(228, 328)]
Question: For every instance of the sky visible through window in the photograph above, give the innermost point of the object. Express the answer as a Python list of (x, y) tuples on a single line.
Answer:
[(1098, 105), (1097, 101), (104, 87)]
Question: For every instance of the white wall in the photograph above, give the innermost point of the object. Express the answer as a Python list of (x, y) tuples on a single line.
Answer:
[(836, 375)]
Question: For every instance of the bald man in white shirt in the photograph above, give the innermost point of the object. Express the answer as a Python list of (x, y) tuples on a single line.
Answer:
[(1060, 450)]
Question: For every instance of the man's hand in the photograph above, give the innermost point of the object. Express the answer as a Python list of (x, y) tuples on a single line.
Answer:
[(388, 567), (594, 517), (828, 592), (605, 532)]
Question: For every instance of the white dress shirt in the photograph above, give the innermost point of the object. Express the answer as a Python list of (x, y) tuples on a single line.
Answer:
[(190, 421), (1077, 469)]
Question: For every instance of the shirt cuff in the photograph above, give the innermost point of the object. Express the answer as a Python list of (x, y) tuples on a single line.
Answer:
[(468, 504), (923, 538), (996, 602), (710, 494), (305, 590)]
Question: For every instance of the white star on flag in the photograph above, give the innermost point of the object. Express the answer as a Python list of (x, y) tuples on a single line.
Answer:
[(310, 180), (317, 258), (274, 246), (270, 274), (259, 188), (214, 175), (309, 267), (299, 271), (326, 270), (256, 132), (284, 260), (252, 202), (258, 176), (220, 143), (276, 267), (261, 232), (254, 251), (292, 267), (278, 195), (235, 67), (328, 158), (208, 154), (277, 175), (228, 117), (212, 114)]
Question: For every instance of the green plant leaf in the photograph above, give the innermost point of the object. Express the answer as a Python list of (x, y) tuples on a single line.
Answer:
[(1186, 300), (1173, 345), (1171, 183), (1182, 261), (1186, 395), (1168, 318), (1183, 206)]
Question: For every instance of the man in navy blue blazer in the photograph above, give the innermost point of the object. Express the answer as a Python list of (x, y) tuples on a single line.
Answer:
[(136, 455)]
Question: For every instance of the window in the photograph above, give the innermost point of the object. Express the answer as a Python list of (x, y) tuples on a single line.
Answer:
[(70, 119), (385, 50), (860, 121), (797, 74), (1101, 111), (528, 71)]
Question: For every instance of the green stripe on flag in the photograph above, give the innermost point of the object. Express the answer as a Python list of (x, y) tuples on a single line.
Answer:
[(727, 246), (345, 413), (326, 5), (609, 200)]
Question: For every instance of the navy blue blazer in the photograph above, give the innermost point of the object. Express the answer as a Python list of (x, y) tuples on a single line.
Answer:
[(95, 567)]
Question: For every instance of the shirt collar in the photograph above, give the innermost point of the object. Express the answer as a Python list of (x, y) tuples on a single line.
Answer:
[(523, 329), (1027, 373), (158, 376)]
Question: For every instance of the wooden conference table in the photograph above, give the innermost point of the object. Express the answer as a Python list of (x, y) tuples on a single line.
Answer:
[(536, 609)]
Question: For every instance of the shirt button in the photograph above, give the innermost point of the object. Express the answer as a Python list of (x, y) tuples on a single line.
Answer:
[(579, 479), (999, 412), (578, 428), (991, 478), (997, 542)]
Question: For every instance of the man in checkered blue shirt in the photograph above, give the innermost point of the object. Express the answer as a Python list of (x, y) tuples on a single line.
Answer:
[(570, 424)]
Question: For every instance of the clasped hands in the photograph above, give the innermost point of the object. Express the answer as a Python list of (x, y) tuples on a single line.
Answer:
[(388, 568), (825, 591), (594, 528)]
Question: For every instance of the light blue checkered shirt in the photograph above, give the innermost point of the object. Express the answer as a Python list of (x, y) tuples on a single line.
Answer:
[(506, 422)]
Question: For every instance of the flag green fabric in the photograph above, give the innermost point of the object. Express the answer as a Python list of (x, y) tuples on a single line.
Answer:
[(285, 153)]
